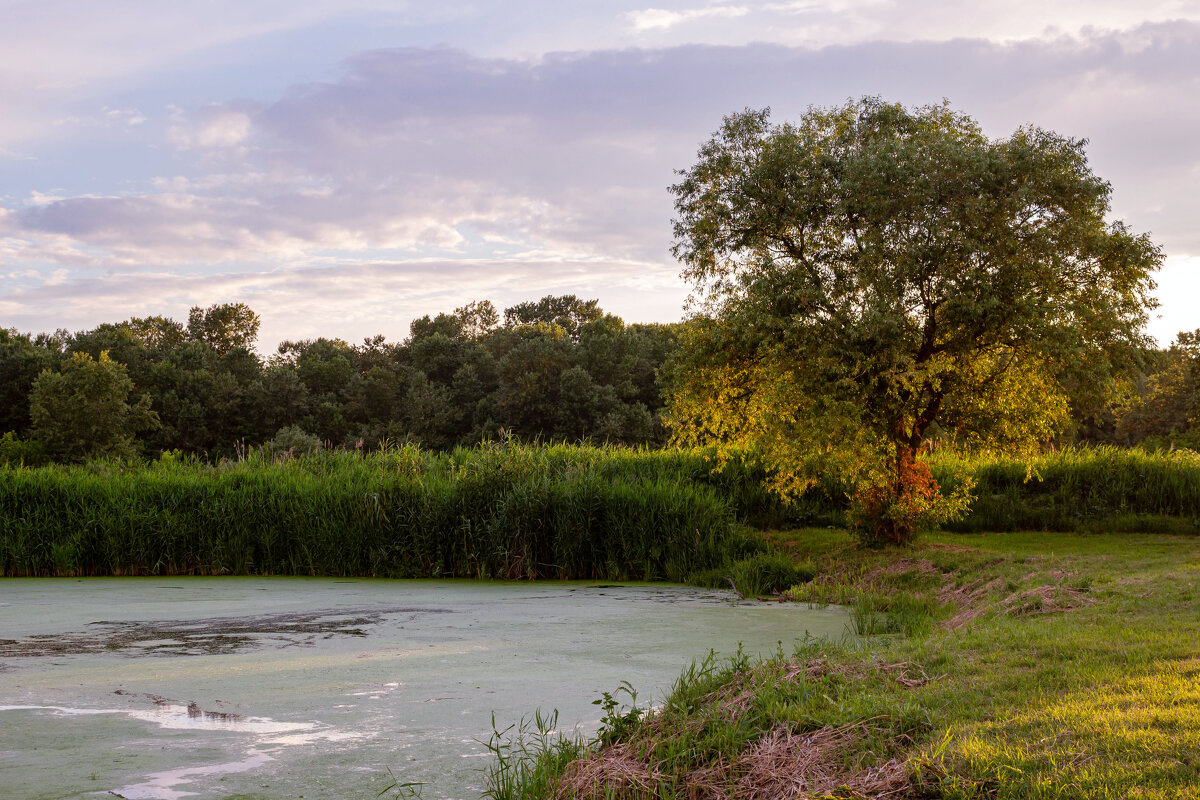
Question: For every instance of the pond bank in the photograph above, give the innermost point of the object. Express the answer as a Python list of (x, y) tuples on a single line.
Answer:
[(1005, 666)]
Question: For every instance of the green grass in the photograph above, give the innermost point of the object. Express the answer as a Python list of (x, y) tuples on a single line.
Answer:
[(1016, 665)]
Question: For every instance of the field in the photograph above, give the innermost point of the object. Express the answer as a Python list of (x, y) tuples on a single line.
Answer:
[(1031, 665)]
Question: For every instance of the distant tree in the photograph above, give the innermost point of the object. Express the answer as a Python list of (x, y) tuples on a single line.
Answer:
[(157, 333), (223, 326), (561, 369), (437, 355), (477, 318), (1166, 407), (448, 325), (325, 365), (21, 361), (83, 411), (278, 399), (567, 312), (875, 274), (202, 399), (432, 419), (528, 397), (123, 345)]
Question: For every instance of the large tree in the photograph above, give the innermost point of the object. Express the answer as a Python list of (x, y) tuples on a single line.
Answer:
[(876, 275)]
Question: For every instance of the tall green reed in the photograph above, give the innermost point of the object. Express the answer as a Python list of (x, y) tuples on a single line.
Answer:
[(513, 511)]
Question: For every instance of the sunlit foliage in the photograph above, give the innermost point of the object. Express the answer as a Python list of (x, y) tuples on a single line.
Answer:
[(874, 277)]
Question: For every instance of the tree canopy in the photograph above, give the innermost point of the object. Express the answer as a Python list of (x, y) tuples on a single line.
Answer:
[(83, 411), (558, 368), (875, 276)]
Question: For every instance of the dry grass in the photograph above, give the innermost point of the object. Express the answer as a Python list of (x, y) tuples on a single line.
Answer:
[(780, 765), (786, 761), (975, 599), (1046, 599), (920, 566)]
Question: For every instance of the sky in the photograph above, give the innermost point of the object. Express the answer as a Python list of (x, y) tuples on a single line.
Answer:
[(345, 166)]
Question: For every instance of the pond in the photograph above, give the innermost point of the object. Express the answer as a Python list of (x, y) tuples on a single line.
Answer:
[(152, 688)]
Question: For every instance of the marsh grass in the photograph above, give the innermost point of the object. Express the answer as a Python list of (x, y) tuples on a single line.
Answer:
[(509, 511), (1101, 489), (1104, 489), (506, 510)]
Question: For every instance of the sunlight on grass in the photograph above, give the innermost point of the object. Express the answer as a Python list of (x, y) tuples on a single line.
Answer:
[(1136, 738)]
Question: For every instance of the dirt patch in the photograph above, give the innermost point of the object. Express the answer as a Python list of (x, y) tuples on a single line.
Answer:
[(951, 548), (907, 674), (1056, 575), (781, 765), (972, 599), (1051, 599), (921, 566), (976, 599)]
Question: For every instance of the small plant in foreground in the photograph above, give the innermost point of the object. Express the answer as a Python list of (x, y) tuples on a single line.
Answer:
[(618, 721), (410, 789), (525, 765)]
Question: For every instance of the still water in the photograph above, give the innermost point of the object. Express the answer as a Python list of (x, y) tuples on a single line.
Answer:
[(158, 689)]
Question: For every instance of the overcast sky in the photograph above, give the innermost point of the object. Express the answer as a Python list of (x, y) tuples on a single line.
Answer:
[(345, 166)]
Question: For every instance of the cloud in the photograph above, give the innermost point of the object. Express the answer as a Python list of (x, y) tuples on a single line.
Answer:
[(419, 156), (661, 19), (125, 117), (366, 297), (213, 127)]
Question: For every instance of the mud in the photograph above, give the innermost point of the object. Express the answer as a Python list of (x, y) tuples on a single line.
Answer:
[(213, 636)]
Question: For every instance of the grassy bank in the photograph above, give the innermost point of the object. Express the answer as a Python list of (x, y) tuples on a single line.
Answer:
[(505, 511), (1003, 666)]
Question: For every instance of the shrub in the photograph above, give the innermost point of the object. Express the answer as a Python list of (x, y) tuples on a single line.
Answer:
[(893, 511), (292, 441)]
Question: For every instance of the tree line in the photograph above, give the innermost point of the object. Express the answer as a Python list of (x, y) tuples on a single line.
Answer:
[(558, 368)]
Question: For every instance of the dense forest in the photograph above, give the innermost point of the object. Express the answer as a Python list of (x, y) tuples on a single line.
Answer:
[(556, 369)]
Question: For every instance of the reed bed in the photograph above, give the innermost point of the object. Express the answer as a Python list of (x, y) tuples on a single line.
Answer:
[(1101, 489), (494, 512), (1105, 489), (514, 511)]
